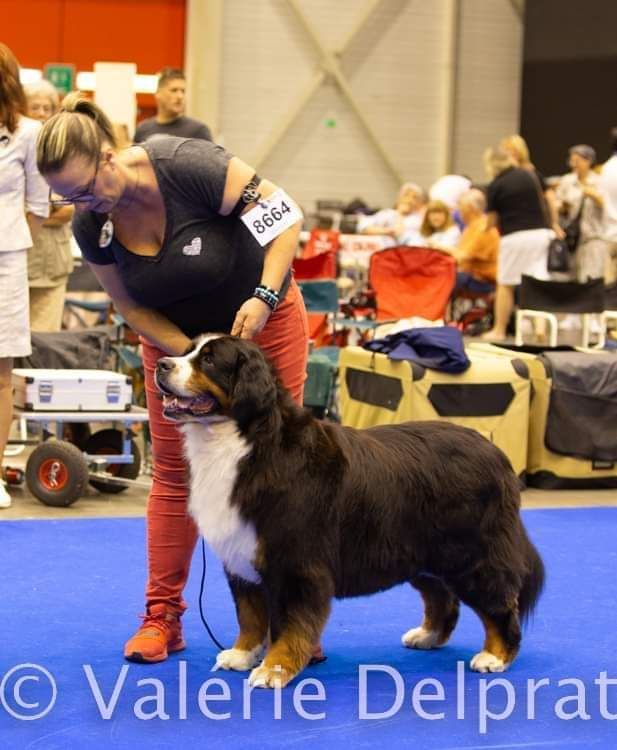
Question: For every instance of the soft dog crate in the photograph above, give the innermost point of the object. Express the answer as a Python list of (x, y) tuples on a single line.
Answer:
[(572, 441), (491, 396)]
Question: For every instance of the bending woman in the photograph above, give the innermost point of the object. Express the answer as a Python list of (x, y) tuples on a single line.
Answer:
[(159, 225)]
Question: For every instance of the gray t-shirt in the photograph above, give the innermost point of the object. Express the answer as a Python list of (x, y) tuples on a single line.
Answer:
[(181, 127), (208, 264)]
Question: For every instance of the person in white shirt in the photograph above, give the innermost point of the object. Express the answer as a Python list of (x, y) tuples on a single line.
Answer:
[(608, 188), (438, 229), (24, 204), (401, 223)]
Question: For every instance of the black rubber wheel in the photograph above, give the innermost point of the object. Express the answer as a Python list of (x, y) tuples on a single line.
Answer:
[(57, 473), (77, 433), (110, 442)]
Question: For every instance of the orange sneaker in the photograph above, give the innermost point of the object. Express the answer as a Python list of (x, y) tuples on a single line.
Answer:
[(159, 636)]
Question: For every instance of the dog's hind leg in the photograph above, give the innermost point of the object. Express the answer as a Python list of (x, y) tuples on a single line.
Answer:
[(441, 608), (253, 618), (495, 602), (298, 616)]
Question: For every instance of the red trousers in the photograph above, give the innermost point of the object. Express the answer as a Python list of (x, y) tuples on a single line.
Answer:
[(171, 532)]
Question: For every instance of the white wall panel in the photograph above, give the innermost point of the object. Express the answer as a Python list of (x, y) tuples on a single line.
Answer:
[(397, 66), (488, 80)]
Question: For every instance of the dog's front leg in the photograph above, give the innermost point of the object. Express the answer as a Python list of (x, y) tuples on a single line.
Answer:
[(253, 618), (298, 616)]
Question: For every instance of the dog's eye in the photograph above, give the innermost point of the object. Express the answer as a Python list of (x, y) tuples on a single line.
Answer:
[(207, 359)]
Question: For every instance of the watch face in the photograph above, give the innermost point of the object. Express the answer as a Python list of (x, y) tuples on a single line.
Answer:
[(107, 234)]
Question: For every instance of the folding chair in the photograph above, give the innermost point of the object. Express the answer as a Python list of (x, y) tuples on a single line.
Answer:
[(540, 300), (411, 281)]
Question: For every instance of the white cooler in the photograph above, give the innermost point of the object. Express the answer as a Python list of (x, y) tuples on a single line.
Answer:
[(71, 390)]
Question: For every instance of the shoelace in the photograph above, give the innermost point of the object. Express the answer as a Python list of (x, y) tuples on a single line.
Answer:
[(156, 621)]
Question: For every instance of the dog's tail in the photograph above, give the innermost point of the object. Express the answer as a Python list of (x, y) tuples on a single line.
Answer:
[(533, 582)]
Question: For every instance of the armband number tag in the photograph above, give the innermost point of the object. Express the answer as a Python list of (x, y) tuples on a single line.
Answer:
[(271, 217)]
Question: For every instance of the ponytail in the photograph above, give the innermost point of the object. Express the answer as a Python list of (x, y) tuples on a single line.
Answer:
[(80, 128)]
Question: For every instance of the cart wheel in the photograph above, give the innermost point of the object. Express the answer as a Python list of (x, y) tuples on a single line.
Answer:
[(57, 473), (109, 442)]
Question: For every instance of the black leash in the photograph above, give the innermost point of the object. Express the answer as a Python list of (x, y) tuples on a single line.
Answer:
[(201, 592)]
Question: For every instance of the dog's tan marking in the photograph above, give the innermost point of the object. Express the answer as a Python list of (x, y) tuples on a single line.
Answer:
[(438, 612), (494, 643), (252, 612), (198, 382), (286, 658)]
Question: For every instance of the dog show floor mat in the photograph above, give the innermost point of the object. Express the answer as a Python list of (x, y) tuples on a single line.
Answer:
[(70, 595)]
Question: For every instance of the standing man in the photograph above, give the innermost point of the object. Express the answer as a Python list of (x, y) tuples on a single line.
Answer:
[(170, 118)]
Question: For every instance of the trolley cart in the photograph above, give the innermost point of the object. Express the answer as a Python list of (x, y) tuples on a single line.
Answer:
[(58, 470)]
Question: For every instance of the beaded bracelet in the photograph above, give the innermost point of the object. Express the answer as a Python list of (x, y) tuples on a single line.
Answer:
[(267, 295)]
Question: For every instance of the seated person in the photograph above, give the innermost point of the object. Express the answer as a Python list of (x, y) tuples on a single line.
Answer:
[(438, 229), (402, 221), (476, 252), (449, 188)]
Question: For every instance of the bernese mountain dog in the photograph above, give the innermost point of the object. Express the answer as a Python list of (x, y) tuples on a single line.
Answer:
[(301, 510)]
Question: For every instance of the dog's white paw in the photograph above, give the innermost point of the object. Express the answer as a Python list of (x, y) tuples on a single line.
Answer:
[(421, 638), (487, 662), (269, 677), (238, 659)]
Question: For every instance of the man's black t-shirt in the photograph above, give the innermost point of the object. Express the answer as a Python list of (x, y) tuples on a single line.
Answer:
[(515, 196), (208, 264), (181, 127)]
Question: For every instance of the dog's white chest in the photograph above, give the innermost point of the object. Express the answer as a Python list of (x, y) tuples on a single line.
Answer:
[(214, 452)]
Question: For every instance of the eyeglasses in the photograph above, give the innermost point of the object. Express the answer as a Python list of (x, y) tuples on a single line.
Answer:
[(84, 196)]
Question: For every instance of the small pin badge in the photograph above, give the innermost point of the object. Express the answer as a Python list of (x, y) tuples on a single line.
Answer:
[(107, 234), (194, 248)]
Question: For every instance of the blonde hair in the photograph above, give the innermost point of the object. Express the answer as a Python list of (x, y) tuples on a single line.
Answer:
[(497, 160), (474, 198), (517, 146), (433, 207), (79, 129), (43, 88)]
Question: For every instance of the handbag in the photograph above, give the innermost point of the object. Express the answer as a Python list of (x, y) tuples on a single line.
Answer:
[(558, 256), (573, 229)]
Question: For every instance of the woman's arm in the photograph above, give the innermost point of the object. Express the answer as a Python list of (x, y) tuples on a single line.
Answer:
[(145, 321), (59, 216), (254, 313), (553, 213), (595, 195)]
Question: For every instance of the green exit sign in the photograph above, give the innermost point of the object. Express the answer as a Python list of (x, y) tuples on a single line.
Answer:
[(62, 76)]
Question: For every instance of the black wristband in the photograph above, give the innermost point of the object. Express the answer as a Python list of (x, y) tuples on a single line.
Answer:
[(267, 295)]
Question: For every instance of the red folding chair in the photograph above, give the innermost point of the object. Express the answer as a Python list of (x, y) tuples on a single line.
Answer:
[(411, 281), (318, 266)]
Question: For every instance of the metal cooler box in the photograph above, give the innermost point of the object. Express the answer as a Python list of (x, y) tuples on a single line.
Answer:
[(71, 390)]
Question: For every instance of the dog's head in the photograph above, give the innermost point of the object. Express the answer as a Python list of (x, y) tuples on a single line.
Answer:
[(221, 377)]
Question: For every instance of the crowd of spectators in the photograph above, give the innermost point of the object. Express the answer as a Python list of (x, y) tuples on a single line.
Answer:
[(501, 228)]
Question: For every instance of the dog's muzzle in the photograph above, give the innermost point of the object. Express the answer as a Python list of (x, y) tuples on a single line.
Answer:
[(176, 406)]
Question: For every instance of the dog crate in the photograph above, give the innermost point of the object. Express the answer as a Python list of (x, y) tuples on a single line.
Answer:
[(491, 397), (572, 442)]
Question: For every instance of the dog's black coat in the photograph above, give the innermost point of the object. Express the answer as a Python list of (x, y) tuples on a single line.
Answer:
[(344, 512)]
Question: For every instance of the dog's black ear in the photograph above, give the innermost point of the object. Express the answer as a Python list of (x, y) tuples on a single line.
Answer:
[(254, 391)]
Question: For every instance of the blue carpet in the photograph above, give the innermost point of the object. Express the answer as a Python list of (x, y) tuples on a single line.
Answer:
[(70, 591)]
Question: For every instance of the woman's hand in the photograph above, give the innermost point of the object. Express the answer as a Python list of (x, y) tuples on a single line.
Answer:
[(251, 318)]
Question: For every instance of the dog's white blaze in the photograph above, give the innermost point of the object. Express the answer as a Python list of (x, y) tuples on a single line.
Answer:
[(184, 366), (213, 451)]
